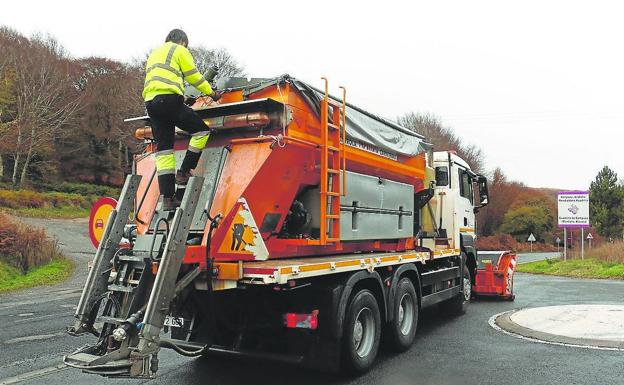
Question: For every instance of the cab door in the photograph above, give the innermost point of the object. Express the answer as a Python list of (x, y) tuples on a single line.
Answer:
[(465, 218)]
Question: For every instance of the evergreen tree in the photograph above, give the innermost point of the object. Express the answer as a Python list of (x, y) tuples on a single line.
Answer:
[(606, 208)]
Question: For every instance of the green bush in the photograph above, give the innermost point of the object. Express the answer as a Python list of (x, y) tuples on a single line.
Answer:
[(20, 199), (81, 188), (59, 199)]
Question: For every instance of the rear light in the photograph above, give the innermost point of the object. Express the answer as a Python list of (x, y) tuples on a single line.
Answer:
[(301, 321)]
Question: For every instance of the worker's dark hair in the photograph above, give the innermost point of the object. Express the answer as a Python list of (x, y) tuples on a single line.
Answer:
[(177, 36)]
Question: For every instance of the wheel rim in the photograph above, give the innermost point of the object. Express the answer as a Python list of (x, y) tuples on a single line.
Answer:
[(467, 288), (406, 314), (364, 332)]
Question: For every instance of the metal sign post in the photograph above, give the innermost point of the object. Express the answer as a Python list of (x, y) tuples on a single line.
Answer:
[(589, 238), (582, 243), (531, 240), (558, 240), (565, 243)]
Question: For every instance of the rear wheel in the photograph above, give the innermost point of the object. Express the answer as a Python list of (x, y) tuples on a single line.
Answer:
[(362, 331), (402, 329), (459, 304)]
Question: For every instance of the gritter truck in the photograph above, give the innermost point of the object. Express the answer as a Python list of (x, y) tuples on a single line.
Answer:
[(311, 231)]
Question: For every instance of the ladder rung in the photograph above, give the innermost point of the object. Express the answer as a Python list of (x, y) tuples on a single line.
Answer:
[(333, 171), (334, 103), (110, 320), (332, 193), (332, 216), (333, 126), (332, 148), (127, 289), (332, 239), (130, 258)]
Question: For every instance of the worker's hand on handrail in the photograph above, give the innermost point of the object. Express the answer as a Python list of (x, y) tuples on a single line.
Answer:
[(216, 95)]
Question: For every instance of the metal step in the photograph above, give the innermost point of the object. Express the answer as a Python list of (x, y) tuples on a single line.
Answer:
[(130, 258), (110, 320), (125, 289)]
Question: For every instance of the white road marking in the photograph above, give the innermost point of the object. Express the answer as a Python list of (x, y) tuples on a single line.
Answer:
[(37, 337), (42, 317), (33, 374), (25, 314)]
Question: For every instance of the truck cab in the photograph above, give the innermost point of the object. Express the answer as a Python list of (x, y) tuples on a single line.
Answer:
[(459, 193)]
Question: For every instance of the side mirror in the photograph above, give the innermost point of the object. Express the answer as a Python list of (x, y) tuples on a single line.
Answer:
[(483, 192)]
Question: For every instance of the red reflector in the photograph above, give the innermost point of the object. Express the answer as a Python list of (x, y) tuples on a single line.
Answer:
[(301, 321)]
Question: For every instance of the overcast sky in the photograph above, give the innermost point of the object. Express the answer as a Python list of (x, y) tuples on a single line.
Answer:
[(538, 85)]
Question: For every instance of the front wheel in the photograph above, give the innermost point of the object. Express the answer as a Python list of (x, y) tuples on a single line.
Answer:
[(362, 331)]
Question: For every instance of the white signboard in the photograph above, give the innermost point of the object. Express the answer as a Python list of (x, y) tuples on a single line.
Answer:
[(573, 209)]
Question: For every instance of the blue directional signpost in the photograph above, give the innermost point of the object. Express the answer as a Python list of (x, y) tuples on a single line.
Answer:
[(573, 212)]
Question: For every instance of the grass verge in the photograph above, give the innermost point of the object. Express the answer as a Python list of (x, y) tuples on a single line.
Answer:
[(578, 268), (55, 271), (50, 212)]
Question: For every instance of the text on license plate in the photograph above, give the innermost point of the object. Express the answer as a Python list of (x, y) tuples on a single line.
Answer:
[(174, 322)]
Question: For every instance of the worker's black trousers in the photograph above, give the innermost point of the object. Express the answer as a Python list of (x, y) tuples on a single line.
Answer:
[(166, 112)]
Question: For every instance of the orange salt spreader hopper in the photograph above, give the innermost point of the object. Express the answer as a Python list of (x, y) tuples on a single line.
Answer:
[(291, 171)]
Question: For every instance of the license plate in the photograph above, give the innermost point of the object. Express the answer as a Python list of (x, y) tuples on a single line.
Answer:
[(174, 322)]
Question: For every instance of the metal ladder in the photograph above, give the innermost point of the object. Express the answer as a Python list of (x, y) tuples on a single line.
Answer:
[(97, 280), (138, 310), (333, 165)]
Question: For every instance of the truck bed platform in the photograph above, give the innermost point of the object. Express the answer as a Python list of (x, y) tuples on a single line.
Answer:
[(280, 271)]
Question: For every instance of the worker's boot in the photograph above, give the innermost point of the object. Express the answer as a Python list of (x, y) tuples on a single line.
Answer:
[(182, 177), (170, 203)]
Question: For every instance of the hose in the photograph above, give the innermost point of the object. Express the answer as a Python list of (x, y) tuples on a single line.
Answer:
[(184, 352)]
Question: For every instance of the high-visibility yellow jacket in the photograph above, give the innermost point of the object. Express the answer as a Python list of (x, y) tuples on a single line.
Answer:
[(166, 68)]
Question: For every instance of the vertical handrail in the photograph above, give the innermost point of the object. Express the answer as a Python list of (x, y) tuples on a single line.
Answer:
[(324, 161), (344, 141)]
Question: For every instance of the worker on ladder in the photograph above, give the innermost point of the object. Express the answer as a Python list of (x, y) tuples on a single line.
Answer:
[(166, 69)]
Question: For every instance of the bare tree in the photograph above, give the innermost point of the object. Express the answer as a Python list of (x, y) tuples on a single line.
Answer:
[(46, 101), (111, 91), (206, 57), (443, 138)]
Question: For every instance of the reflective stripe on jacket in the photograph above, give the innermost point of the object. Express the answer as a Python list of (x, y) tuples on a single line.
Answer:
[(166, 68)]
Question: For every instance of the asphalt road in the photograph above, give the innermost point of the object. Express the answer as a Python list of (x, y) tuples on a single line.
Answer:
[(531, 257), (460, 350)]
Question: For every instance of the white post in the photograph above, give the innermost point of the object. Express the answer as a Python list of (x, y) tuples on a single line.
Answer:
[(590, 242), (531, 246), (565, 243), (582, 243)]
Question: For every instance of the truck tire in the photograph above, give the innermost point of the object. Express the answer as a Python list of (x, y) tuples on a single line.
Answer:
[(459, 304), (402, 329), (362, 332)]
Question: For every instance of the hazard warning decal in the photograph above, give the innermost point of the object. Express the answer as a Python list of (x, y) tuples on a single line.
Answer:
[(242, 237)]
